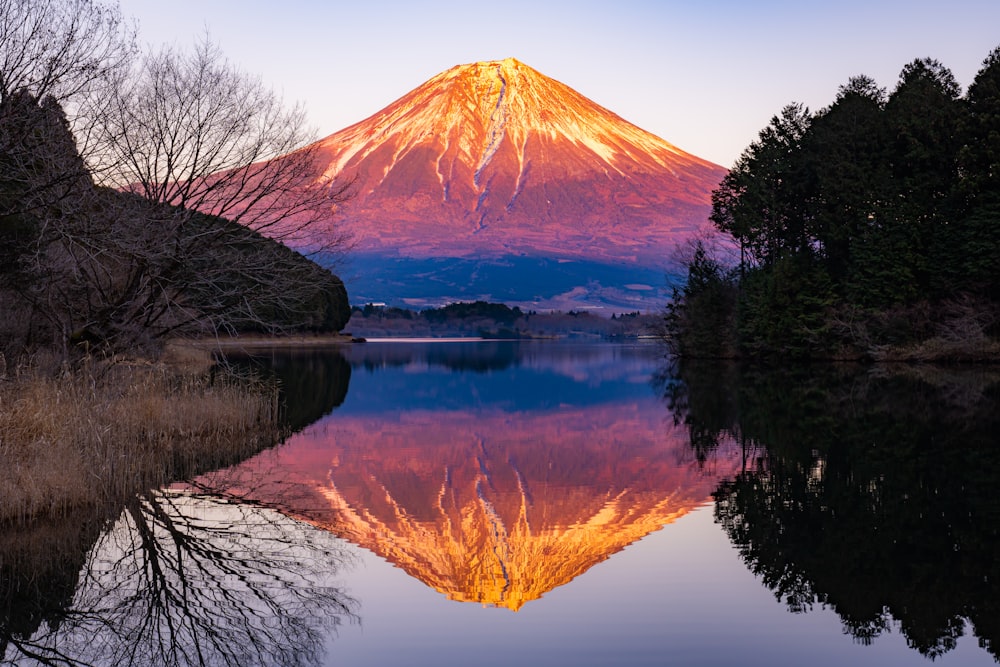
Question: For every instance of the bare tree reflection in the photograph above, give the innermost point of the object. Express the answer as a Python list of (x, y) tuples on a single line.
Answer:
[(185, 579)]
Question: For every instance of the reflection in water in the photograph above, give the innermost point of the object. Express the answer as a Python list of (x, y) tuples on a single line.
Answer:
[(181, 579), (39, 570), (177, 579), (475, 356), (496, 506), (875, 496), (312, 382), (496, 474)]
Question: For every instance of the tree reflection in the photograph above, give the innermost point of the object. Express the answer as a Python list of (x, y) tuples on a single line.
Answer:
[(482, 357), (39, 569), (873, 494), (311, 382), (183, 579)]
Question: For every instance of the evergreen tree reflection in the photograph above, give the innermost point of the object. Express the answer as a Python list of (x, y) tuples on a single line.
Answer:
[(871, 493)]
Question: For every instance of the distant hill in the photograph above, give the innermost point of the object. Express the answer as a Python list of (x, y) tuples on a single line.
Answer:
[(532, 283), (497, 321)]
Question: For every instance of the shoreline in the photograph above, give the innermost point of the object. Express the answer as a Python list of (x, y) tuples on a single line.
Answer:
[(241, 343)]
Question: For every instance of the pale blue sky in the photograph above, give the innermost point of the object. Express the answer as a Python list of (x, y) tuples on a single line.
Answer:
[(706, 76)]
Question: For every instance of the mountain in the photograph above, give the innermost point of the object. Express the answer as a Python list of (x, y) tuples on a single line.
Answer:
[(492, 163)]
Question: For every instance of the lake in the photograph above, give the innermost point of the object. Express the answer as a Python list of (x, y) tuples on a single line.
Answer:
[(542, 503)]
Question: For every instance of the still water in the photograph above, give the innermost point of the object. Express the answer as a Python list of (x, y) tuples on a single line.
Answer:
[(492, 503)]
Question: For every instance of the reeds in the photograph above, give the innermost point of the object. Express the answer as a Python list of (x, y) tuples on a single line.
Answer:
[(77, 438)]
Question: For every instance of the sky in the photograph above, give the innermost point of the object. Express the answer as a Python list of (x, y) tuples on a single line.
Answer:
[(706, 76)]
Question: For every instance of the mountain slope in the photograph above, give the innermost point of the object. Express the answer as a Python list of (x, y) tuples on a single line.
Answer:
[(494, 156), (492, 160)]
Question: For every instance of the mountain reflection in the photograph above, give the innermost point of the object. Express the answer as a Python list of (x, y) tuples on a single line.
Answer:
[(873, 495), (494, 503), (181, 579)]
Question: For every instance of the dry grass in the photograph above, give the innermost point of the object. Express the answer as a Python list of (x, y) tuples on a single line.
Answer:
[(961, 329), (187, 356), (86, 438)]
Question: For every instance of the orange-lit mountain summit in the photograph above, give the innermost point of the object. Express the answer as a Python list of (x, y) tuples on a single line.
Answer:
[(495, 157), (492, 161)]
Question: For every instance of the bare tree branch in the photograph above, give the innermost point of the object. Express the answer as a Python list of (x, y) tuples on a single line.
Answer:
[(183, 579), (204, 162), (193, 131), (60, 48)]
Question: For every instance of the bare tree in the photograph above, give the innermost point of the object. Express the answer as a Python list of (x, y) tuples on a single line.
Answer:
[(194, 135), (60, 48), (198, 162), (52, 53), (191, 130), (56, 53)]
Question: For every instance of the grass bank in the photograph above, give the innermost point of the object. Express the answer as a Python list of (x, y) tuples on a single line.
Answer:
[(93, 436)]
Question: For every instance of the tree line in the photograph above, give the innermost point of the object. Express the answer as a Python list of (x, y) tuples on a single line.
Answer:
[(140, 194), (867, 229), (495, 321)]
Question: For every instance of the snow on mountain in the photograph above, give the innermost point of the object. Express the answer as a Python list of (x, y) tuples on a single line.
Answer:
[(495, 158)]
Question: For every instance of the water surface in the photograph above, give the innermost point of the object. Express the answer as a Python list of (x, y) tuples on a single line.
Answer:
[(492, 503)]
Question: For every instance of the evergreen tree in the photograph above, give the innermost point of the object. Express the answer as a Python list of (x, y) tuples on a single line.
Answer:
[(924, 115), (762, 201), (784, 310), (874, 222), (700, 319), (846, 148), (974, 254), (980, 157)]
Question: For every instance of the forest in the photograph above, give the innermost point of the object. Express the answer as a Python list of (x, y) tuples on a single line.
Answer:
[(481, 319), (867, 230)]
